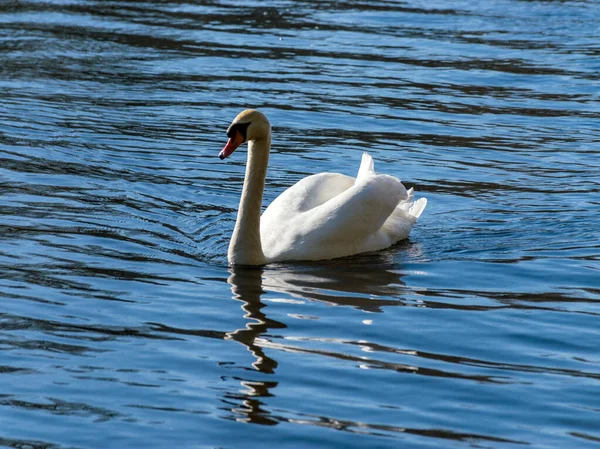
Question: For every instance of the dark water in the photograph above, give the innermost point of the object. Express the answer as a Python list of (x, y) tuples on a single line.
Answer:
[(121, 325)]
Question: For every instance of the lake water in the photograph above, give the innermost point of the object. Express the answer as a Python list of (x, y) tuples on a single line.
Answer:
[(121, 325)]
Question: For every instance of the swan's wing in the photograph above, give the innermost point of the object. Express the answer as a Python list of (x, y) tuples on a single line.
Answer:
[(308, 193), (315, 190), (355, 213), (330, 215), (346, 224), (359, 211)]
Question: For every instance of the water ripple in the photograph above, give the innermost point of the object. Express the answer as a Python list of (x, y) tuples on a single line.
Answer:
[(121, 323)]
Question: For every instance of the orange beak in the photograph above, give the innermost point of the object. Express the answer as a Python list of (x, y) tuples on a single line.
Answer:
[(231, 146)]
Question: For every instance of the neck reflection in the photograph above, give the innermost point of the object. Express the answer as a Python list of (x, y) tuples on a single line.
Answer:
[(246, 286)]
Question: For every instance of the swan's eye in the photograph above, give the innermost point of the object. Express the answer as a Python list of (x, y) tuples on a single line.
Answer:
[(241, 128)]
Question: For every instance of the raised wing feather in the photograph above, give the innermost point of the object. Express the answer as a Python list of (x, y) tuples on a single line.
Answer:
[(367, 167)]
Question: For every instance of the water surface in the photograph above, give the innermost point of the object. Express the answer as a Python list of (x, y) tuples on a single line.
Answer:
[(121, 324)]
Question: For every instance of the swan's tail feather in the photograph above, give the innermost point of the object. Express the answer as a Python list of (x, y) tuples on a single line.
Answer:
[(417, 208), (411, 207), (367, 167)]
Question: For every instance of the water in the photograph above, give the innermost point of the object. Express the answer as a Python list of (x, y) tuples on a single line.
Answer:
[(122, 326)]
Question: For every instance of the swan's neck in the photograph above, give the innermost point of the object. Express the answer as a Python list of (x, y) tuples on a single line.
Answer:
[(245, 247)]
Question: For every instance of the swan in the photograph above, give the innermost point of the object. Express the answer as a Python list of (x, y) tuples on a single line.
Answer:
[(322, 216)]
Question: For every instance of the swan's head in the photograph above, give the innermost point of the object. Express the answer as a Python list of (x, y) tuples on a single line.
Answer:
[(249, 125)]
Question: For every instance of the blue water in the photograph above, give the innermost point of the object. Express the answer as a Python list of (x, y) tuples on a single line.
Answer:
[(121, 325)]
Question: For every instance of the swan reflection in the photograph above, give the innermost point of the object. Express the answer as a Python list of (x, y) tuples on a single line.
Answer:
[(351, 282)]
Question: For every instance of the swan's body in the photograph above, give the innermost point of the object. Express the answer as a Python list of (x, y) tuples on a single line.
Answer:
[(322, 216)]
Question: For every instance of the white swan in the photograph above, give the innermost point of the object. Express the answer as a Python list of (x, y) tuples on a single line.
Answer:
[(322, 216)]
